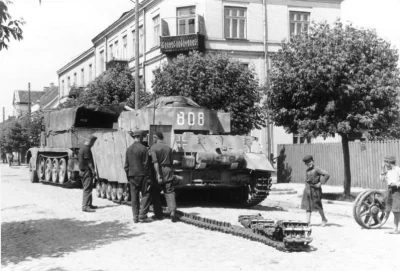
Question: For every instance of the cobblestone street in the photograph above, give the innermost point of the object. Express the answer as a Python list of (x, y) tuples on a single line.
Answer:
[(43, 228)]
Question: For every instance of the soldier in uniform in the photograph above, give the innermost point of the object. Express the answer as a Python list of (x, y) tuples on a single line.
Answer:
[(312, 194), (391, 174), (137, 172), (161, 156), (87, 173)]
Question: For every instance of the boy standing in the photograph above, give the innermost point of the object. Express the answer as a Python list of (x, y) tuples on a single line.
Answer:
[(312, 194)]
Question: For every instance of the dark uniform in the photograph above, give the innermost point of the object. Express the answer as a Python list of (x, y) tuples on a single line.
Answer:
[(85, 157), (162, 153), (312, 195), (137, 169)]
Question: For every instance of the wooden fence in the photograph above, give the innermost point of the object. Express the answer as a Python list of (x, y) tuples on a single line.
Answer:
[(365, 161)]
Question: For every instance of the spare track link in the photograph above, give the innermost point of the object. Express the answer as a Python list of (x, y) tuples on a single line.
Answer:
[(261, 191)]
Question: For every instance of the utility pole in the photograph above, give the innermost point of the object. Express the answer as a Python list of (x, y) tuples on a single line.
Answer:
[(137, 54), (266, 64), (29, 101)]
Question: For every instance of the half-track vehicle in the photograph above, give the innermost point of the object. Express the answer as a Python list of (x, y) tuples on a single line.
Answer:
[(63, 133), (204, 154)]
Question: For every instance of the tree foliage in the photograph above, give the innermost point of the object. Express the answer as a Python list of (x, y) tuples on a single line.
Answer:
[(336, 79), (114, 86), (217, 82), (8, 28)]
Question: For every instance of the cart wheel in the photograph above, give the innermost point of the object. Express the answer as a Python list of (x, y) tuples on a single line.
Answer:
[(355, 204), (371, 210)]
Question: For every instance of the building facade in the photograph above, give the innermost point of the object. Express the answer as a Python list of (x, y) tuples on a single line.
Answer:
[(246, 30)]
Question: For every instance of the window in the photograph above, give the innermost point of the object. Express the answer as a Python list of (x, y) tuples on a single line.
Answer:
[(157, 26), (235, 23), (116, 53), (124, 47), (75, 83), (90, 72), (82, 77), (134, 43), (68, 83), (186, 20), (101, 61), (297, 139), (299, 22), (141, 40), (111, 53), (62, 88)]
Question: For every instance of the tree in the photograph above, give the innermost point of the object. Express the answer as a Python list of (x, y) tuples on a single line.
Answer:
[(8, 28), (336, 79), (216, 82), (114, 86)]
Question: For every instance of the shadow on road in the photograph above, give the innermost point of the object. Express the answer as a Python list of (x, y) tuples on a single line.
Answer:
[(55, 237)]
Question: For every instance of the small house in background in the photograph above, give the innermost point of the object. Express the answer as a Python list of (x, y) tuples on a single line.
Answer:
[(21, 101)]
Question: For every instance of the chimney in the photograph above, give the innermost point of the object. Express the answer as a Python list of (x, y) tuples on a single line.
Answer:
[(51, 85), (45, 89)]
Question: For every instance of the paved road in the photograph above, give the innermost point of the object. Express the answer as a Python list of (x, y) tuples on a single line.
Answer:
[(43, 229)]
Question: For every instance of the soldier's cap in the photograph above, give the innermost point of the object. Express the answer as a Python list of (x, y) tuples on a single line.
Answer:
[(308, 158), (136, 133), (159, 135), (92, 137), (390, 159)]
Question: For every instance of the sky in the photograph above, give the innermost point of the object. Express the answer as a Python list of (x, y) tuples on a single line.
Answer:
[(56, 31)]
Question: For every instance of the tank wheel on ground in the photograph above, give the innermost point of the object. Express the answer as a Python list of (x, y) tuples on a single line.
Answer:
[(33, 176), (55, 170), (113, 191), (108, 191), (355, 205), (103, 190), (98, 188), (126, 194), (62, 172), (41, 168), (120, 191), (371, 210), (48, 170)]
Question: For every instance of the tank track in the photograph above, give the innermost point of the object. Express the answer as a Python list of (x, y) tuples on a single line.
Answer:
[(282, 235), (68, 184), (260, 191)]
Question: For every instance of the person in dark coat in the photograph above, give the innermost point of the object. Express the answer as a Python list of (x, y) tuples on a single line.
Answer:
[(137, 172), (161, 156), (391, 174), (87, 173), (312, 194), (4, 157)]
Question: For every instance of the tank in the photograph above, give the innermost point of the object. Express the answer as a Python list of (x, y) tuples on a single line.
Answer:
[(205, 155), (63, 132)]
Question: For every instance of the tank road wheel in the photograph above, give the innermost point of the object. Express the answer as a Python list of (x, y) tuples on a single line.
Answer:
[(48, 170), (371, 210), (126, 194), (103, 190), (62, 171), (120, 191), (55, 170), (33, 176), (98, 189), (41, 168), (113, 191), (355, 205), (108, 191)]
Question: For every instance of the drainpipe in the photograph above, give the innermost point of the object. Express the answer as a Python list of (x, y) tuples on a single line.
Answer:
[(137, 54), (266, 66)]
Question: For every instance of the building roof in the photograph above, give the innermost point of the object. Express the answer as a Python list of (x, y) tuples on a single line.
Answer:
[(22, 96), (48, 98)]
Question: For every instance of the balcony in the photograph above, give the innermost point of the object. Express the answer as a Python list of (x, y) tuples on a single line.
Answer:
[(117, 62), (182, 34)]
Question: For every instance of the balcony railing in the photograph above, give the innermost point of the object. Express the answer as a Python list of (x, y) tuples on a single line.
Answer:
[(117, 62), (176, 44)]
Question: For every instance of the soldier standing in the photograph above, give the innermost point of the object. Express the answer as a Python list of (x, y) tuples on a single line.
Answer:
[(137, 172), (312, 194), (87, 173), (391, 175), (161, 156)]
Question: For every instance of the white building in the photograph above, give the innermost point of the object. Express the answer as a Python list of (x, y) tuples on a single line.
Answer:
[(244, 29)]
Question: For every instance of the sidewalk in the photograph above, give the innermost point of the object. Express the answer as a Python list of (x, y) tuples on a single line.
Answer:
[(288, 195)]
